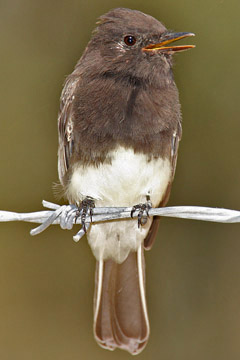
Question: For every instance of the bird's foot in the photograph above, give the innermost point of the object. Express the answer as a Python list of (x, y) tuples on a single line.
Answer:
[(70, 213), (143, 210), (86, 208)]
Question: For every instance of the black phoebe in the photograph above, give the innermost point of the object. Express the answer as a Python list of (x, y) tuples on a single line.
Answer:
[(119, 129)]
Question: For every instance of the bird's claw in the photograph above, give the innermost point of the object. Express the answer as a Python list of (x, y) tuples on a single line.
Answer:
[(70, 214), (143, 211), (86, 208)]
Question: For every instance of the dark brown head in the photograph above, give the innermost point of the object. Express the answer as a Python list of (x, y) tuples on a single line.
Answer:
[(132, 41)]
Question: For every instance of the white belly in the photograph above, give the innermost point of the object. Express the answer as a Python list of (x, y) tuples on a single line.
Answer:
[(124, 182)]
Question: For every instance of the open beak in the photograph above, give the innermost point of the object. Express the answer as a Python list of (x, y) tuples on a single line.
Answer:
[(168, 39)]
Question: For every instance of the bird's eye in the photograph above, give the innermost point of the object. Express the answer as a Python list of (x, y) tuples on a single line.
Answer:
[(130, 40)]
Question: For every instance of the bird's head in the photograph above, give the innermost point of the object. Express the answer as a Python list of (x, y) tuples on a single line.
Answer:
[(132, 42)]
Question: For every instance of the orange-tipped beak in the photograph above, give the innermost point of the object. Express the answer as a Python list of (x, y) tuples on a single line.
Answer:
[(168, 39)]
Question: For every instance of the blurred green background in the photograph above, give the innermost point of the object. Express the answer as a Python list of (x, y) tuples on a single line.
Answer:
[(193, 271)]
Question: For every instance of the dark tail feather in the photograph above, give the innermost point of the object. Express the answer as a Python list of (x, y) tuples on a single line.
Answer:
[(120, 313)]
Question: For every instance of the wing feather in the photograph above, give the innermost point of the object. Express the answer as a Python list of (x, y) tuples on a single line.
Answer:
[(176, 137), (65, 127)]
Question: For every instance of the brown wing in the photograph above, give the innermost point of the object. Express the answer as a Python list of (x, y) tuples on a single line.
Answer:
[(176, 137), (65, 127)]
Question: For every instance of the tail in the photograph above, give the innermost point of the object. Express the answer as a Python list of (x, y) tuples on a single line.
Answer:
[(120, 311)]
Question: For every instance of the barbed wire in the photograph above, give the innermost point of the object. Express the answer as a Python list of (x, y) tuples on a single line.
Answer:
[(68, 215)]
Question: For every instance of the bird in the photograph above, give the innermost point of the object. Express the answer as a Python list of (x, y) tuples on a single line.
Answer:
[(119, 128)]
